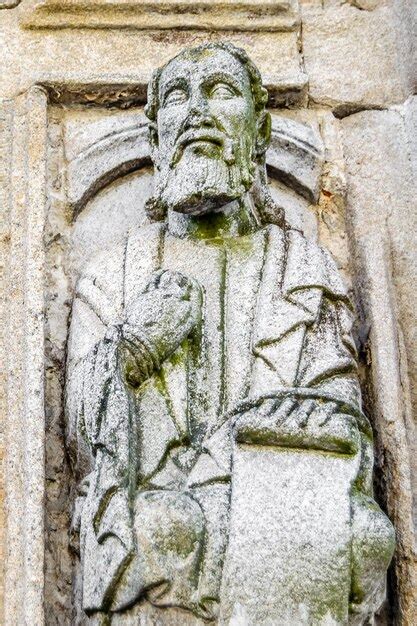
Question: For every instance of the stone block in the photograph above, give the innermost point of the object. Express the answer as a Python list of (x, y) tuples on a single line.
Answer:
[(382, 218), (352, 57)]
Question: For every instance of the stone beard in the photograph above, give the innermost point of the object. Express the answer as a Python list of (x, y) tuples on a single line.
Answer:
[(205, 152), (213, 405), (201, 174)]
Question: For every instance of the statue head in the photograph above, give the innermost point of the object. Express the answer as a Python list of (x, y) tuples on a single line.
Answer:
[(209, 129)]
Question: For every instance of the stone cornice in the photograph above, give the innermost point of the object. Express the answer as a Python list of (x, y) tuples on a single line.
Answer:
[(217, 15)]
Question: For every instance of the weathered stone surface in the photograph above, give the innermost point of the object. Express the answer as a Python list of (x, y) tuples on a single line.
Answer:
[(410, 121), (5, 156), (24, 349), (202, 399), (406, 26), (120, 62), (237, 15), (108, 149), (353, 57), (382, 217), (9, 4), (353, 54)]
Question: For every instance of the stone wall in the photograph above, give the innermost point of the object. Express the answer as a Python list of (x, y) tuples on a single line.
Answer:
[(73, 70)]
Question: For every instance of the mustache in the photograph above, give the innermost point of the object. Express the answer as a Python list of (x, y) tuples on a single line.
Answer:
[(211, 135)]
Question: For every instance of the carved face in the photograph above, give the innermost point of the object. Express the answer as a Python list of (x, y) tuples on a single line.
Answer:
[(206, 132)]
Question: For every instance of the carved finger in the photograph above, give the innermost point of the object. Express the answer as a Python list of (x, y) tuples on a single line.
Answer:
[(154, 281), (174, 281), (327, 410), (284, 410), (303, 412)]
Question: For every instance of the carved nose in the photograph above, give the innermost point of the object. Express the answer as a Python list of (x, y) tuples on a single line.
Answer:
[(199, 120), (199, 115)]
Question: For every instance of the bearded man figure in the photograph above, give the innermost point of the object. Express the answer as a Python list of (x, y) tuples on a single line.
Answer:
[(214, 411)]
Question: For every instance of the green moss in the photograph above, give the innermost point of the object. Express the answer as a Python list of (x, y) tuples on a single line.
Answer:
[(218, 227)]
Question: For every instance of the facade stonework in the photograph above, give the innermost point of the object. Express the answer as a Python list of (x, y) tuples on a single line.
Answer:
[(84, 185)]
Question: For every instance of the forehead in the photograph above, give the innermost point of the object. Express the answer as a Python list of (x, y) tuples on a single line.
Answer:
[(199, 66)]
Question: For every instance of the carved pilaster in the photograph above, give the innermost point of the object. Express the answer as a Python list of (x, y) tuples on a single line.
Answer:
[(25, 426)]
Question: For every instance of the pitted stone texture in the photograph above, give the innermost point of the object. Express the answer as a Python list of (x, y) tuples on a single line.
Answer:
[(111, 68), (410, 120), (255, 15), (353, 58), (114, 66), (382, 216), (24, 363), (209, 351), (406, 26), (374, 141), (6, 123), (9, 4), (281, 586)]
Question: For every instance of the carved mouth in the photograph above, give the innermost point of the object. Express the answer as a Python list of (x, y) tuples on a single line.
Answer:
[(203, 139), (197, 138)]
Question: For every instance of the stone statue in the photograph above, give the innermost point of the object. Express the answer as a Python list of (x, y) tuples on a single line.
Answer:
[(214, 411)]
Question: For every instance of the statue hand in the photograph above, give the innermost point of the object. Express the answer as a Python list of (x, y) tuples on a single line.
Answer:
[(299, 423), (160, 319)]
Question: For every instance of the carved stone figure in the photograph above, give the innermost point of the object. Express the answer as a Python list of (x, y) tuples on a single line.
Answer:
[(214, 411)]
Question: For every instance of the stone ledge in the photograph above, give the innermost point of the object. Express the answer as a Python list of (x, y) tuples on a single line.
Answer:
[(289, 90), (241, 15)]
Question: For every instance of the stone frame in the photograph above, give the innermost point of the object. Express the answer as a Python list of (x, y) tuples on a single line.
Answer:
[(24, 426), (25, 419)]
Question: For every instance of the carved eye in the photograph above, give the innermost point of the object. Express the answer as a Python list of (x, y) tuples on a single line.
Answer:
[(222, 91), (175, 96)]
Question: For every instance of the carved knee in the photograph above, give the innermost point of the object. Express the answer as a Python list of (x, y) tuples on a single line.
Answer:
[(173, 522), (373, 542), (169, 529)]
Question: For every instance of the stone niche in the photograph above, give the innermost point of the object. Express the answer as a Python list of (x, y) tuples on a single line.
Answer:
[(89, 174), (99, 175), (77, 173)]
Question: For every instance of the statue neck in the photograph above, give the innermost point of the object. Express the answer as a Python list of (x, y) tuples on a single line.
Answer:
[(233, 220)]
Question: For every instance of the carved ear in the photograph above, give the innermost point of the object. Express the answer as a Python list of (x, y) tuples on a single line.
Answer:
[(263, 136), (153, 137)]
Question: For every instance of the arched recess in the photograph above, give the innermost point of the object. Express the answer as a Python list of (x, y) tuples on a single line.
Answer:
[(109, 180), (295, 158)]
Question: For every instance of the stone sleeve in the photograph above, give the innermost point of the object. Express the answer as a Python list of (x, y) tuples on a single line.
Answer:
[(336, 375), (328, 360)]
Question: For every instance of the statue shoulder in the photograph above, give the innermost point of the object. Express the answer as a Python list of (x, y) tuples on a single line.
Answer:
[(309, 265), (106, 270), (101, 289)]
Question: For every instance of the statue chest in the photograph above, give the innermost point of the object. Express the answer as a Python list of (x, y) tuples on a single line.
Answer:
[(218, 360)]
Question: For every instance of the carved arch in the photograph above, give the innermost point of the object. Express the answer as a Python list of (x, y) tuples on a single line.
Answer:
[(294, 157)]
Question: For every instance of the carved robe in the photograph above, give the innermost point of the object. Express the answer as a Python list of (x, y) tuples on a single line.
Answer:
[(276, 322)]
